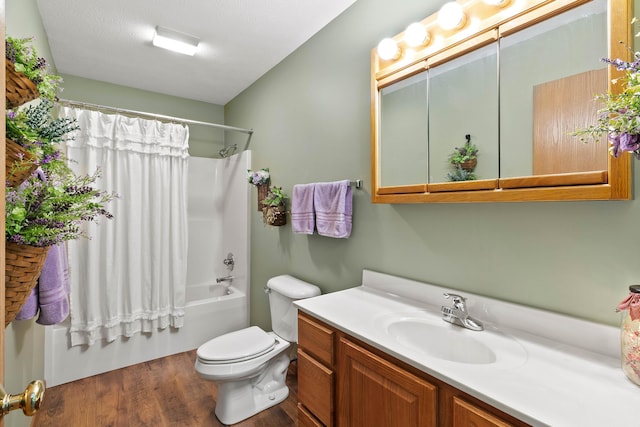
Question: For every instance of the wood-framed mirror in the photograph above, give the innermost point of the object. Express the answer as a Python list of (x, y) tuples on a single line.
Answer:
[(515, 79)]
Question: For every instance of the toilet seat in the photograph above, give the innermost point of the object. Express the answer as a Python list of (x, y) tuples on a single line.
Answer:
[(236, 346)]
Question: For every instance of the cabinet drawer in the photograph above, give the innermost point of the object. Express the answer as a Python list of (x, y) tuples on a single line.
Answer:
[(305, 419), (316, 339), (315, 387), (466, 414)]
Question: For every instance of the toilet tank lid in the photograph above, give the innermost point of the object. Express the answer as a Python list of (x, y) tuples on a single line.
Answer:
[(292, 287)]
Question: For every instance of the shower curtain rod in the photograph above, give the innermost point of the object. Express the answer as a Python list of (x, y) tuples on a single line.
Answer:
[(153, 115)]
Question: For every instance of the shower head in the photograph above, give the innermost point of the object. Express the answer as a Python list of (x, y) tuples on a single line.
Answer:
[(228, 151)]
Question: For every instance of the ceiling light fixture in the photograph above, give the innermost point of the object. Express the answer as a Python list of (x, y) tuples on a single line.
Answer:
[(175, 41)]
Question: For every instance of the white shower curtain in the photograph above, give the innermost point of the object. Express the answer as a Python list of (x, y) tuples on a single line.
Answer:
[(130, 277)]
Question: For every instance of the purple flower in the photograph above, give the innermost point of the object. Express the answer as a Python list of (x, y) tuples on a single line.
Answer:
[(17, 238), (629, 142), (11, 114), (624, 142), (614, 139)]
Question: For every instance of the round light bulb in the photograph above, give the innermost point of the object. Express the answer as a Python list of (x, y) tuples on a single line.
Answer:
[(416, 35), (388, 49), (451, 16)]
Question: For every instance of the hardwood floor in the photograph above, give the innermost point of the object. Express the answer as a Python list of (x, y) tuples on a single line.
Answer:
[(165, 392)]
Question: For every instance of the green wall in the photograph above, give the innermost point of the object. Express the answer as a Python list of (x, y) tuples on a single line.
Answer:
[(312, 123)]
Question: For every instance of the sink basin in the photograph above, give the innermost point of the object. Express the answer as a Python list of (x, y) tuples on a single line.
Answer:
[(428, 334), (440, 341)]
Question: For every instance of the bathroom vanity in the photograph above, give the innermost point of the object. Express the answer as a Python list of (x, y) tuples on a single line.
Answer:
[(380, 354)]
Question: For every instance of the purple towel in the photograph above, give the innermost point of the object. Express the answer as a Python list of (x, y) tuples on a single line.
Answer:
[(302, 214), (333, 206), (51, 294)]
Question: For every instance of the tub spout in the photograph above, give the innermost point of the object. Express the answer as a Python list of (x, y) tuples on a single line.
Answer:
[(224, 279)]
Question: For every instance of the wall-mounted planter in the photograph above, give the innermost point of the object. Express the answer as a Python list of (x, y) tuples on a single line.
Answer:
[(275, 215)]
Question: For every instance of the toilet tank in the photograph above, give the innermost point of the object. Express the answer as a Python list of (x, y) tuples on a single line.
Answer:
[(283, 290)]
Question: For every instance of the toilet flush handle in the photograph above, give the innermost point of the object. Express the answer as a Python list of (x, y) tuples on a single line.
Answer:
[(267, 290)]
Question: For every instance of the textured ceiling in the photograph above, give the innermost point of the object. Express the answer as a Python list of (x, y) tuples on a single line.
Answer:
[(241, 40)]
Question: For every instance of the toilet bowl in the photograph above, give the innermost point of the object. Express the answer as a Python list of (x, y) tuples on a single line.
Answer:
[(249, 366)]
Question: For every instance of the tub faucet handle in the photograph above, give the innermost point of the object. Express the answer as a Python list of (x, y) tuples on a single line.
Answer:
[(229, 262)]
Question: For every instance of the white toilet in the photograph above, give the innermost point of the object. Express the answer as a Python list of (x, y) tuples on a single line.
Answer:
[(249, 366)]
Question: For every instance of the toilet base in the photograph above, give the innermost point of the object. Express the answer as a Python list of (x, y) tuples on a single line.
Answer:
[(239, 400)]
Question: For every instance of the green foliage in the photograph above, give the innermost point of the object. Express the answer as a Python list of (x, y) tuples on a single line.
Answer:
[(275, 197), (51, 206), (459, 174), (26, 61)]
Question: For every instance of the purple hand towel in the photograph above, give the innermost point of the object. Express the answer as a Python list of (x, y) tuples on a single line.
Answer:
[(302, 213), (54, 287), (30, 307), (333, 206)]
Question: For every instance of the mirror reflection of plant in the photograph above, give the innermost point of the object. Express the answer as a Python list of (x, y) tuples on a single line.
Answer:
[(467, 152), (22, 54), (275, 197), (459, 174)]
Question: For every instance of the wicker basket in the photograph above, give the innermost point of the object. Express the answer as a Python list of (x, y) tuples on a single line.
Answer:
[(275, 215), (22, 270), (263, 190), (20, 89), (19, 163), (469, 165)]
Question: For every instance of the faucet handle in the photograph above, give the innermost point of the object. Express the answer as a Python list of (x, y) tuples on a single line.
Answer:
[(457, 299)]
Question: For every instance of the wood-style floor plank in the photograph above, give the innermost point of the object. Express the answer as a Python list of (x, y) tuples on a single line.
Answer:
[(165, 392)]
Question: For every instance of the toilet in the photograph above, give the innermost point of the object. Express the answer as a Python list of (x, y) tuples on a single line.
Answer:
[(249, 366)]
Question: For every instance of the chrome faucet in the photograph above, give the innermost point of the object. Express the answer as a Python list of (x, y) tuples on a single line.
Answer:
[(457, 313), (224, 279)]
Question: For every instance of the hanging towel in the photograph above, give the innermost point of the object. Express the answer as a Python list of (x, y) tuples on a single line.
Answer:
[(51, 294), (54, 287), (302, 213), (333, 207)]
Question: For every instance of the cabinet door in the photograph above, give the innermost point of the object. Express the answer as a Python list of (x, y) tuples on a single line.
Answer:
[(466, 414), (374, 392)]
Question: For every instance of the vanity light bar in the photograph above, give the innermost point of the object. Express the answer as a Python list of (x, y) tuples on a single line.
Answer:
[(450, 17)]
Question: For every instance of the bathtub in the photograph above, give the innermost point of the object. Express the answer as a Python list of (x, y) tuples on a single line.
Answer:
[(207, 291), (212, 312)]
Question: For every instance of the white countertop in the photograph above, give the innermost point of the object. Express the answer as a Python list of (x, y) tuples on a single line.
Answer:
[(567, 375)]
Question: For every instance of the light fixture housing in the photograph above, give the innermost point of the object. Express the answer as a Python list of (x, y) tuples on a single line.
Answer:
[(388, 49), (499, 3), (175, 41), (451, 16), (416, 35)]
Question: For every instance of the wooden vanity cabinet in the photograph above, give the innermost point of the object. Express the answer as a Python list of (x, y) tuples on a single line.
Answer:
[(316, 379), (347, 383)]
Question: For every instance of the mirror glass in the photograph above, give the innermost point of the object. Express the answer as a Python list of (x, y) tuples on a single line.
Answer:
[(403, 132), (463, 100), (549, 75)]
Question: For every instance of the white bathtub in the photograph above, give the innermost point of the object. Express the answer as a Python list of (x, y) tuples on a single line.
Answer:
[(206, 291), (205, 318)]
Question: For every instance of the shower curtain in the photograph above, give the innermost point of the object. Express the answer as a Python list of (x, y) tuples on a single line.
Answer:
[(130, 276)]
